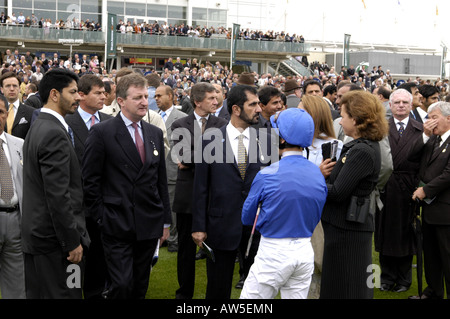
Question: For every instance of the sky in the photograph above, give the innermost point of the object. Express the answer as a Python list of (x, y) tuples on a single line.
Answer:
[(416, 23)]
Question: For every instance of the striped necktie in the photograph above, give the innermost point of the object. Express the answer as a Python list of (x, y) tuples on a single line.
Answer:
[(203, 119), (242, 156), (7, 191), (139, 142)]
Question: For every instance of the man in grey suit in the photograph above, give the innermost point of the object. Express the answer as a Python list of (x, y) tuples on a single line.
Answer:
[(169, 114), (12, 278)]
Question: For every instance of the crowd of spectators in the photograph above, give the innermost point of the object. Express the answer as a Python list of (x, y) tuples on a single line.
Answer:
[(181, 75), (156, 28)]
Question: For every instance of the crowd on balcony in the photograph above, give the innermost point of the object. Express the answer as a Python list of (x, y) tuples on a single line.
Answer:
[(155, 28)]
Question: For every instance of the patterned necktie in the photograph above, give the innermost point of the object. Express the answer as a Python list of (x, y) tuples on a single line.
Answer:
[(139, 142), (401, 129), (10, 119), (7, 191), (242, 156), (203, 119), (70, 131), (92, 120)]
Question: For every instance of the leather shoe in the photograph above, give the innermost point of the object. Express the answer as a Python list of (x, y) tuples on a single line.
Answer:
[(400, 288), (240, 283), (386, 287)]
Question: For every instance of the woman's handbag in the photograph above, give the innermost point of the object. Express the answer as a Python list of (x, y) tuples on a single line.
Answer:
[(359, 209)]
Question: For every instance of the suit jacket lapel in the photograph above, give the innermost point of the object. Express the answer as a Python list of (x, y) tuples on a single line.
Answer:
[(444, 145), (18, 116), (79, 128)]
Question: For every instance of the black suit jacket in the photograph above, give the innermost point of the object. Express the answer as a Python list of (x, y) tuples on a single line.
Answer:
[(417, 116), (52, 214), (185, 178), (220, 192), (80, 131), (34, 101), (435, 173), (22, 121), (128, 198), (224, 111)]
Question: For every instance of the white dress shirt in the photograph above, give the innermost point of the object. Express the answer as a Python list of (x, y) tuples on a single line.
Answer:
[(233, 136)]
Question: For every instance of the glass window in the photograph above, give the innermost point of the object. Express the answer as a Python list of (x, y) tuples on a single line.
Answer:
[(26, 12), (45, 14), (44, 5), (176, 12), (199, 13), (3, 4), (68, 15), (91, 6), (200, 23), (217, 15), (21, 4), (157, 11), (134, 9), (68, 5), (92, 17), (176, 22), (116, 7)]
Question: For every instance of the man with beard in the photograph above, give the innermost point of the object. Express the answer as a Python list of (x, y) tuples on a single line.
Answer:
[(224, 176), (54, 234)]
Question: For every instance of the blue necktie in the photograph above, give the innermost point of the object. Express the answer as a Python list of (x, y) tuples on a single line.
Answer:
[(401, 129), (69, 129), (163, 115)]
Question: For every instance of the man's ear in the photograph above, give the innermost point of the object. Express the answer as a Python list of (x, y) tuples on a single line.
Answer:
[(237, 109)]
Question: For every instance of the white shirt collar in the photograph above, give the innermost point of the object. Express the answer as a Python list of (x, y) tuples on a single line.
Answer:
[(422, 114), (233, 133), (3, 137), (291, 153), (57, 115), (404, 121), (445, 136)]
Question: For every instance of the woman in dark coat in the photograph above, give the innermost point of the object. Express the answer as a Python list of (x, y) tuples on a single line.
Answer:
[(347, 257)]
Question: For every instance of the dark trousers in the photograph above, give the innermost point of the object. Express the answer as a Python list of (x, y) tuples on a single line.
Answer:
[(128, 264), (52, 276), (95, 277), (436, 251), (185, 257), (220, 274), (396, 270)]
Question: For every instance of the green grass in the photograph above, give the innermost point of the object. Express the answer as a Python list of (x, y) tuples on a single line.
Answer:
[(163, 280)]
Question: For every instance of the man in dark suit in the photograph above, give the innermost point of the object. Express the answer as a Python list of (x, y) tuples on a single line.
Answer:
[(185, 134), (92, 96), (222, 109), (413, 88), (430, 95), (169, 114), (54, 234), (394, 237), (221, 186), (434, 191), (33, 98), (125, 188), (19, 115)]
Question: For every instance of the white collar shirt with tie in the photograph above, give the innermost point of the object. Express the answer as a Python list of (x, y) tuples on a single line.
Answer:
[(404, 121), (130, 128), (233, 136), (199, 119)]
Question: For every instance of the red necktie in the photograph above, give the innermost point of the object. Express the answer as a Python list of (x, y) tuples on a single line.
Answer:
[(92, 120), (139, 142)]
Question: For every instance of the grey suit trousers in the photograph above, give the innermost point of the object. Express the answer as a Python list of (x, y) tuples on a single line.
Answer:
[(12, 277)]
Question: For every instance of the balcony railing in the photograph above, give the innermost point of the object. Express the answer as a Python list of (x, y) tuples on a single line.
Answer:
[(94, 37)]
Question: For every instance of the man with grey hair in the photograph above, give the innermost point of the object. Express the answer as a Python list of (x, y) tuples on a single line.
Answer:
[(394, 239), (432, 149)]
